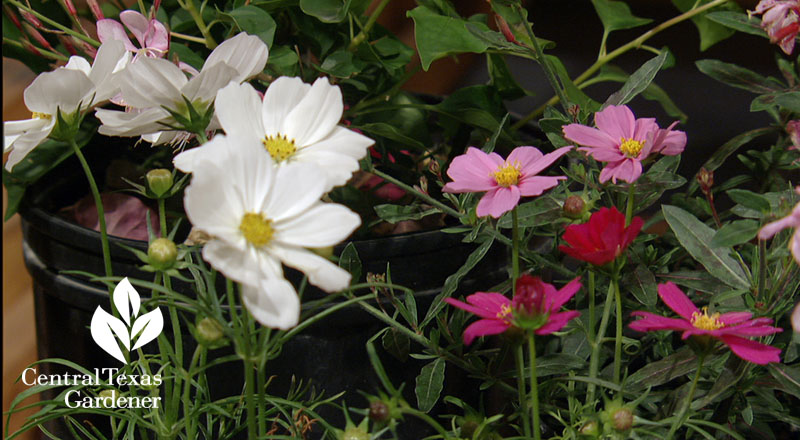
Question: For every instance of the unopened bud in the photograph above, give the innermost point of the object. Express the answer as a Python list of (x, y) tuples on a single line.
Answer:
[(31, 48), (37, 36), (622, 419), (108, 398), (71, 10), (95, 8), (529, 296), (706, 179), (11, 15), (502, 24), (354, 433), (379, 411), (434, 167), (30, 18), (574, 207), (590, 429), (67, 45), (162, 253), (159, 181), (209, 331)]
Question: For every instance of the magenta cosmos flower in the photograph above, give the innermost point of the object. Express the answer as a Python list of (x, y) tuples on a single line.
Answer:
[(504, 181), (731, 328), (790, 221), (602, 239), (624, 142), (534, 296), (780, 19)]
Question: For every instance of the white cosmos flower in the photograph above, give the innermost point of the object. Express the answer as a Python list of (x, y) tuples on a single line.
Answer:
[(295, 122), (72, 88), (151, 84), (261, 216)]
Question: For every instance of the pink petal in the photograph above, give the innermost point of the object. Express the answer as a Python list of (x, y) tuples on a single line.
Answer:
[(617, 121), (590, 137), (108, 29), (536, 185), (498, 201), (484, 327), (734, 317), (748, 331), (525, 156), (796, 318), (770, 229), (643, 128), (535, 166), (651, 322), (676, 300), (752, 351), (136, 23), (557, 299), (471, 172), (556, 322), (157, 37), (632, 231), (794, 245), (604, 154)]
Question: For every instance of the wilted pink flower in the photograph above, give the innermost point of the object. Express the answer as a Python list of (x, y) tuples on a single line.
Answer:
[(790, 221), (533, 297), (126, 216), (504, 181), (780, 18), (624, 142), (793, 128), (152, 36), (731, 328)]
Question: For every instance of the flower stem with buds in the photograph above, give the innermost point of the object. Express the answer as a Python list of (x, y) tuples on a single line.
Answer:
[(594, 360), (55, 24)]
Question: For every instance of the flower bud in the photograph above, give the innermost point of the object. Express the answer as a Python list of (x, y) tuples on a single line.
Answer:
[(706, 179), (162, 253), (379, 411), (622, 419), (574, 207), (590, 429), (108, 398), (159, 181), (209, 331), (354, 433), (529, 296)]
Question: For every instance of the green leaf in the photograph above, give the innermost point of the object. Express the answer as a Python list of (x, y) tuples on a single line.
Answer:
[(350, 261), (255, 21), (575, 95), (540, 211), (398, 213), (749, 199), (391, 132), (790, 101), (283, 60), (696, 238), (642, 284), (652, 93), (341, 64), (429, 384), (735, 233), (438, 36), (501, 78), (788, 376), (681, 363), (397, 344), (738, 21), (710, 31), (616, 15), (558, 363), (736, 76), (327, 11), (638, 81)]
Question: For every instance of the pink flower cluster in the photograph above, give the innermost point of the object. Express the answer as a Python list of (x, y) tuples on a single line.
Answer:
[(781, 20), (624, 142)]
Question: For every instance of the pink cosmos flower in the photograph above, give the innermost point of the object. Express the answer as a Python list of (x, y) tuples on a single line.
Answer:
[(731, 328), (780, 18), (152, 36), (793, 128), (504, 181), (624, 142), (533, 296), (790, 221)]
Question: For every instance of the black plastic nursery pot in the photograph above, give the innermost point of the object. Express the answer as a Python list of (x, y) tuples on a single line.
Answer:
[(331, 353)]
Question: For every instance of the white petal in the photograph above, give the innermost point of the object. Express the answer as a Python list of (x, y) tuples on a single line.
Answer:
[(25, 143), (78, 63), (247, 54), (321, 272), (315, 117), (297, 187), (119, 123), (152, 82), (246, 266), (205, 85), (274, 303), (61, 88), (238, 109), (19, 127), (343, 141), (111, 57), (280, 98), (324, 224)]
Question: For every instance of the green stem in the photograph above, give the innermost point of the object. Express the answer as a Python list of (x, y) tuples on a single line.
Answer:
[(762, 269), (514, 250), (187, 37), (591, 287), (618, 335), (358, 39), (629, 207), (101, 216), (523, 400), (249, 378), (190, 422), (428, 419), (537, 432), (633, 44), (688, 402), (189, 6), (54, 55), (55, 24), (162, 216), (262, 404), (418, 194), (594, 361)]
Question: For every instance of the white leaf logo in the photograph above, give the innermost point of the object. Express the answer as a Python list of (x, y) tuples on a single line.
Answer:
[(108, 331)]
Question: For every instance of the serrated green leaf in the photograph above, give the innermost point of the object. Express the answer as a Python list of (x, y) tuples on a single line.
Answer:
[(735, 233), (429, 384), (696, 238)]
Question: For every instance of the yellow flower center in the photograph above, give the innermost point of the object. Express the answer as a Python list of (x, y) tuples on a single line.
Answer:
[(280, 147), (705, 322), (256, 228), (505, 311), (631, 147), (41, 116), (507, 174)]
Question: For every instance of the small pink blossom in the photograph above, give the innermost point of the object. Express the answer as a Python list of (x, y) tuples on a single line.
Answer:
[(497, 312), (126, 216), (152, 35), (624, 142), (731, 328), (793, 128), (796, 318), (790, 221), (781, 20), (505, 181)]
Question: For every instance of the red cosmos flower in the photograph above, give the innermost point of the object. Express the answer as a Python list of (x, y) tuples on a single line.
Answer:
[(602, 239), (534, 297), (731, 328), (781, 20)]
